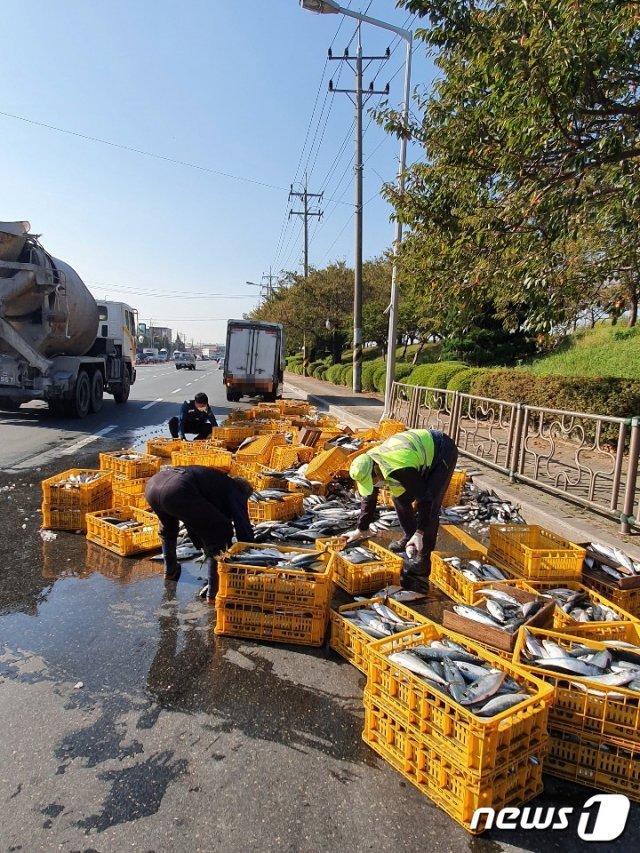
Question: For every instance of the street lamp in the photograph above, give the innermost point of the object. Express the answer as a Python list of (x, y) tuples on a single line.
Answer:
[(330, 7)]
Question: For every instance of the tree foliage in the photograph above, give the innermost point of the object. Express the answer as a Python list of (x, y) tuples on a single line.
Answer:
[(528, 191)]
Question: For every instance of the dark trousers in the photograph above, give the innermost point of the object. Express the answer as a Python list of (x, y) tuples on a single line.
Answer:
[(202, 430), (436, 479), (174, 498)]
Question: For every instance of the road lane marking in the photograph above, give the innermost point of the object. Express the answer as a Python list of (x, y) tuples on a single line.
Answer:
[(87, 440), (152, 403), (176, 391)]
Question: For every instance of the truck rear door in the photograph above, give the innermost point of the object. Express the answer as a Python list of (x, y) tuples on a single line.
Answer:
[(238, 355), (265, 354)]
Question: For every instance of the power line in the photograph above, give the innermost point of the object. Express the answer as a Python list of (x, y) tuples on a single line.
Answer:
[(142, 152)]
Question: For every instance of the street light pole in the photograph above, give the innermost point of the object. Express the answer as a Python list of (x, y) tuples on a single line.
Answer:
[(330, 7)]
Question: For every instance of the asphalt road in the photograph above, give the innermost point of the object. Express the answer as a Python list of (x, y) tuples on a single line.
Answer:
[(128, 725), (31, 437)]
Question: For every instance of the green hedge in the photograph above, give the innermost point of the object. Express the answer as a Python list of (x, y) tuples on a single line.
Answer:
[(380, 378), (607, 396), (421, 375), (346, 375), (333, 373), (464, 379)]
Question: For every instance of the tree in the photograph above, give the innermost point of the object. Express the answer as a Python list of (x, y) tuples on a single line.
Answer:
[(528, 192)]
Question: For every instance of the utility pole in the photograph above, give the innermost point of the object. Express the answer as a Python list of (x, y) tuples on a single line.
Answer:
[(269, 286), (305, 213), (358, 102)]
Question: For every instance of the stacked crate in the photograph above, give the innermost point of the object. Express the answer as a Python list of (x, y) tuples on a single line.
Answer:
[(594, 728), (351, 642), (459, 760), (363, 578), (275, 604), (534, 553), (65, 505)]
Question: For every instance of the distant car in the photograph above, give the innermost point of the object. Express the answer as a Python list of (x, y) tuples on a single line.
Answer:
[(186, 360)]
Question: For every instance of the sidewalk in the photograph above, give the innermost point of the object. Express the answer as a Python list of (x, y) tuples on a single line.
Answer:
[(537, 507)]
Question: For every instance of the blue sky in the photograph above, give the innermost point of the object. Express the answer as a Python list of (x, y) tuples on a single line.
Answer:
[(226, 86)]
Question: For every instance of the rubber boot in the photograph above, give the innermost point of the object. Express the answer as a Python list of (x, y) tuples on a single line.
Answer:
[(172, 568), (415, 574), (209, 590)]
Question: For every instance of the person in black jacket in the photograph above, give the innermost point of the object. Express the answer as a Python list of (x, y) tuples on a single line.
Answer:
[(211, 505), (195, 416)]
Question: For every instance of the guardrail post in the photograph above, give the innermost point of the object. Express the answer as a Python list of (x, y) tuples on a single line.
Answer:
[(454, 423), (617, 471), (514, 461), (626, 519)]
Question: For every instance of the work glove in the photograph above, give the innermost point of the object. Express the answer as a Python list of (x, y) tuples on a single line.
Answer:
[(414, 545), (355, 536)]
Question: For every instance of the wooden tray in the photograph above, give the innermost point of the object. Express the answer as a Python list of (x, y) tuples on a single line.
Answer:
[(603, 577), (495, 637)]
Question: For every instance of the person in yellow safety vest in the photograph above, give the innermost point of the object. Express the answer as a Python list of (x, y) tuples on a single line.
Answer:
[(416, 465)]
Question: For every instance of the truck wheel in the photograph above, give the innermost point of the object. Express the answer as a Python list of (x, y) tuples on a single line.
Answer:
[(79, 404), (97, 391), (269, 398), (122, 395), (232, 397)]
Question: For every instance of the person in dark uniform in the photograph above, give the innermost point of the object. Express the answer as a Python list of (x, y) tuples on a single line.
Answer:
[(195, 416), (211, 505)]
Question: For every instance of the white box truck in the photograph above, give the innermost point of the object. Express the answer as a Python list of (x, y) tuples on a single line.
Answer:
[(254, 360)]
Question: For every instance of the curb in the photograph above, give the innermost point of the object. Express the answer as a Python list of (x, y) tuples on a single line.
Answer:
[(338, 411)]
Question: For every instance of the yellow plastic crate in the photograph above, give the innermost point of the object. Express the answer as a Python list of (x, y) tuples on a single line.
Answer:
[(259, 451), (473, 743), (327, 463), (457, 791), (283, 457), (163, 447), (294, 407), (388, 427), (453, 583), (367, 577), (352, 642), (305, 454), (143, 465), (290, 506), (628, 632), (615, 769), (234, 435), (124, 542), (213, 458), (612, 712), (265, 410), (130, 493), (295, 625), (385, 498), (84, 497), (565, 623), (535, 553), (625, 599), (275, 586), (454, 489), (54, 518), (367, 434)]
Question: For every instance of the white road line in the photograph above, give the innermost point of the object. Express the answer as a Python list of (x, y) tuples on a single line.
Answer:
[(152, 403), (87, 440), (188, 384), (176, 391)]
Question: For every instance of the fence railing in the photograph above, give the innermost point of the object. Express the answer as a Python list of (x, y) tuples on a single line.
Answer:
[(590, 460)]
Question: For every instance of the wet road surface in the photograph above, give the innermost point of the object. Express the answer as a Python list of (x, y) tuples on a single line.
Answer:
[(182, 740)]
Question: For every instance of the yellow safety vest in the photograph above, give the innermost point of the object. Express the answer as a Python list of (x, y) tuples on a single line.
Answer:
[(411, 449)]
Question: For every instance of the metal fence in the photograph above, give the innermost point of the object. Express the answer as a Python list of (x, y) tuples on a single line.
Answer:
[(590, 460)]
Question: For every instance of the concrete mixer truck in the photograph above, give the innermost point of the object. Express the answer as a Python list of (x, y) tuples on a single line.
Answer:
[(56, 343)]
